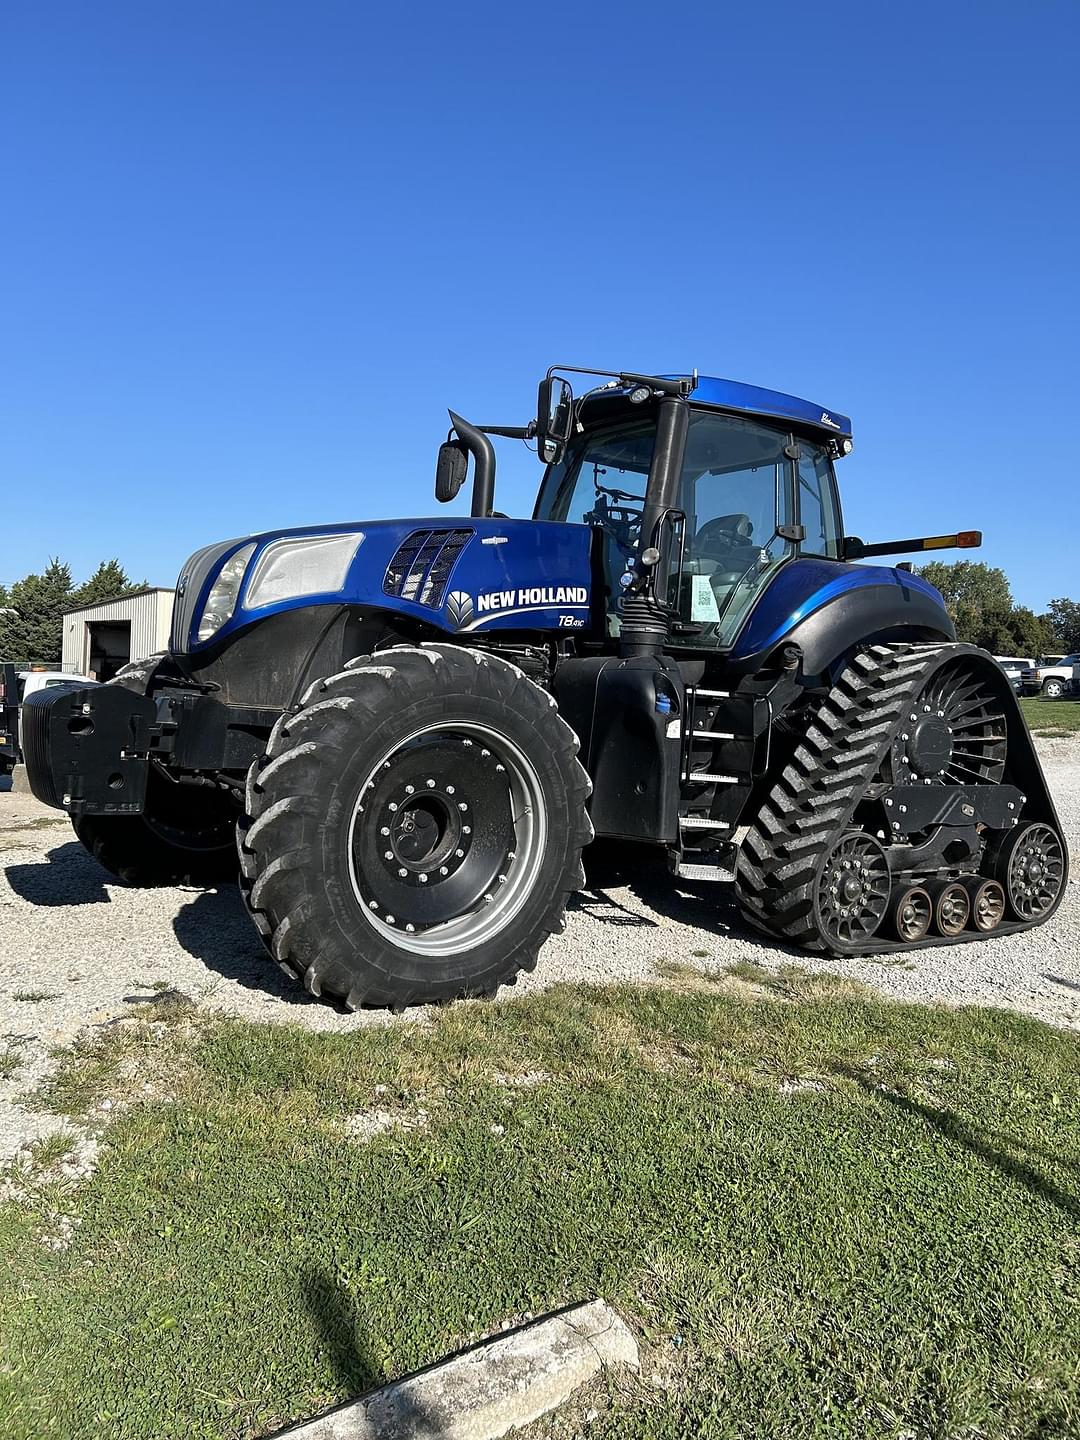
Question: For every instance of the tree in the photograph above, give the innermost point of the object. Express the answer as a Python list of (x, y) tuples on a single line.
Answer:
[(1014, 632), (35, 631), (972, 591), (1063, 617), (108, 582)]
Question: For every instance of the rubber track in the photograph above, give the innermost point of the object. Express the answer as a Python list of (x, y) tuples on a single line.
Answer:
[(811, 804), (276, 891)]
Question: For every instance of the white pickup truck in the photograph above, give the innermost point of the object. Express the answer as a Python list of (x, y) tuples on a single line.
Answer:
[(1051, 675)]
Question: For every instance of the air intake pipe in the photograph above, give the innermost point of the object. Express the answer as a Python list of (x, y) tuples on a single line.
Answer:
[(483, 453)]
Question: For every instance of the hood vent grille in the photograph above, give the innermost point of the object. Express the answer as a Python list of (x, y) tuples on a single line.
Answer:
[(421, 567)]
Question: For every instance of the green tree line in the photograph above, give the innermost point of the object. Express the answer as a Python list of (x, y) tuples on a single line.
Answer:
[(980, 601), (32, 609)]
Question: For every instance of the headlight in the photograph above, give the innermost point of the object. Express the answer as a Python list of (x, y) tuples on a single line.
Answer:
[(221, 602), (299, 565)]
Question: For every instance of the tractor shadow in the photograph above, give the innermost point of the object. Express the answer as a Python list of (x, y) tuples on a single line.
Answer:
[(68, 876), (703, 905), (215, 929)]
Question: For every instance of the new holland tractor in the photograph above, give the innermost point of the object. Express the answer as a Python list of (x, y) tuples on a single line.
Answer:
[(402, 734)]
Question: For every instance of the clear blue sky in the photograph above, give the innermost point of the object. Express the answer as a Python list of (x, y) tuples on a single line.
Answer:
[(249, 252)]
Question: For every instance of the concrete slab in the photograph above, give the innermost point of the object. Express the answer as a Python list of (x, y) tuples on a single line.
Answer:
[(493, 1388)]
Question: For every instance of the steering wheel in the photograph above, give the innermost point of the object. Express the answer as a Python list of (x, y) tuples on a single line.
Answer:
[(726, 533)]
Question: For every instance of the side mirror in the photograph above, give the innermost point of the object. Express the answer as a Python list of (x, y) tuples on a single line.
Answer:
[(450, 470), (554, 417)]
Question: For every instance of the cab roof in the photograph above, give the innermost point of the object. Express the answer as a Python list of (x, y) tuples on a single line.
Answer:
[(753, 400)]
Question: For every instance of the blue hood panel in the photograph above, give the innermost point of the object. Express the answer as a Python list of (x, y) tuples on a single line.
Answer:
[(459, 573)]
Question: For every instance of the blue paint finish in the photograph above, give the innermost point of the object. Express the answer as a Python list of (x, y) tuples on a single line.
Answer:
[(753, 400), (803, 585), (511, 575)]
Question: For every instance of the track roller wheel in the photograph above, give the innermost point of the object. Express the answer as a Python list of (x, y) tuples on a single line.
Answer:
[(987, 904), (910, 913), (852, 890), (952, 908), (1030, 865)]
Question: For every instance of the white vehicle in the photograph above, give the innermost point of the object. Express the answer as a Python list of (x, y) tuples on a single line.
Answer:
[(31, 680), (14, 688), (1014, 667), (1051, 676)]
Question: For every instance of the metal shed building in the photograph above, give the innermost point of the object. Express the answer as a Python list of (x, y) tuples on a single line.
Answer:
[(99, 639)]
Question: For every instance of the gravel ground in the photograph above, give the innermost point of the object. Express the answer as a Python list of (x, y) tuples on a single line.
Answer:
[(79, 951)]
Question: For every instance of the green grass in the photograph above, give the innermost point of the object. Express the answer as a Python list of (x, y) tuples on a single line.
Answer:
[(1051, 717), (828, 1216), (33, 997)]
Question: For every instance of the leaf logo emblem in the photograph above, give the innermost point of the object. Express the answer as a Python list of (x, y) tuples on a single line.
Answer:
[(459, 608)]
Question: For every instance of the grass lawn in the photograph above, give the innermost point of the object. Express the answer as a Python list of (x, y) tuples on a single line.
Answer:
[(827, 1216), (1051, 717)]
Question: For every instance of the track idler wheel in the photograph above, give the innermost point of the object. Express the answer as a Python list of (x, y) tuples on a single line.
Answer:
[(910, 913), (952, 908), (852, 890), (987, 904), (1030, 865)]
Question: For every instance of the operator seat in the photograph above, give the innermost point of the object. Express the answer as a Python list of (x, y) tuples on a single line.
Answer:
[(725, 550)]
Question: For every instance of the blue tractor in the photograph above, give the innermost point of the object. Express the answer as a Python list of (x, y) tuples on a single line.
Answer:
[(402, 734)]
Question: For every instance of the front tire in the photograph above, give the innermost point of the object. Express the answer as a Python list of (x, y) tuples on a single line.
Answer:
[(415, 829), (1053, 689)]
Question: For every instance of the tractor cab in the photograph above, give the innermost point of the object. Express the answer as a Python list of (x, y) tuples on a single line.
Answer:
[(748, 494)]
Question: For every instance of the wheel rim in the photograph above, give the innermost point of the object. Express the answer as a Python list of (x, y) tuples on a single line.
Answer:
[(912, 913), (954, 734), (987, 906), (951, 910), (446, 838), (1036, 870), (853, 889)]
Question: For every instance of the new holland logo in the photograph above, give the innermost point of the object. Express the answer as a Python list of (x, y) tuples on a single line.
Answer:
[(459, 608), (466, 613)]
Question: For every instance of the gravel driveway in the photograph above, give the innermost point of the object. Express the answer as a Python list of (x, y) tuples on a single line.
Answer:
[(78, 950)]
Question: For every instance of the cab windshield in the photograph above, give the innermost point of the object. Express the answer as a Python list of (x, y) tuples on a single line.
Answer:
[(740, 481)]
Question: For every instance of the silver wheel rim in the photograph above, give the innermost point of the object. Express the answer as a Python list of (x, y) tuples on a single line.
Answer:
[(498, 906)]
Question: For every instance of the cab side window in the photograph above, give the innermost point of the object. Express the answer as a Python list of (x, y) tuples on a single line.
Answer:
[(818, 511)]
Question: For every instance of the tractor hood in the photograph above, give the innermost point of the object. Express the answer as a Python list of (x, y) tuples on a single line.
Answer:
[(482, 573)]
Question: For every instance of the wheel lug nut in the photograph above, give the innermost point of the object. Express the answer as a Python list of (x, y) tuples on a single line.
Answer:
[(390, 919), (403, 872), (392, 806), (500, 768), (409, 789), (485, 753), (373, 905), (422, 879), (461, 805), (450, 789), (488, 899), (444, 870), (385, 830), (388, 854), (466, 829), (411, 929), (459, 853), (502, 879), (431, 784)]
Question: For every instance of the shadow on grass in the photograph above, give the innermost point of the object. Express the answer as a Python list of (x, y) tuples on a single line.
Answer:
[(355, 1367), (69, 875), (948, 1124)]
